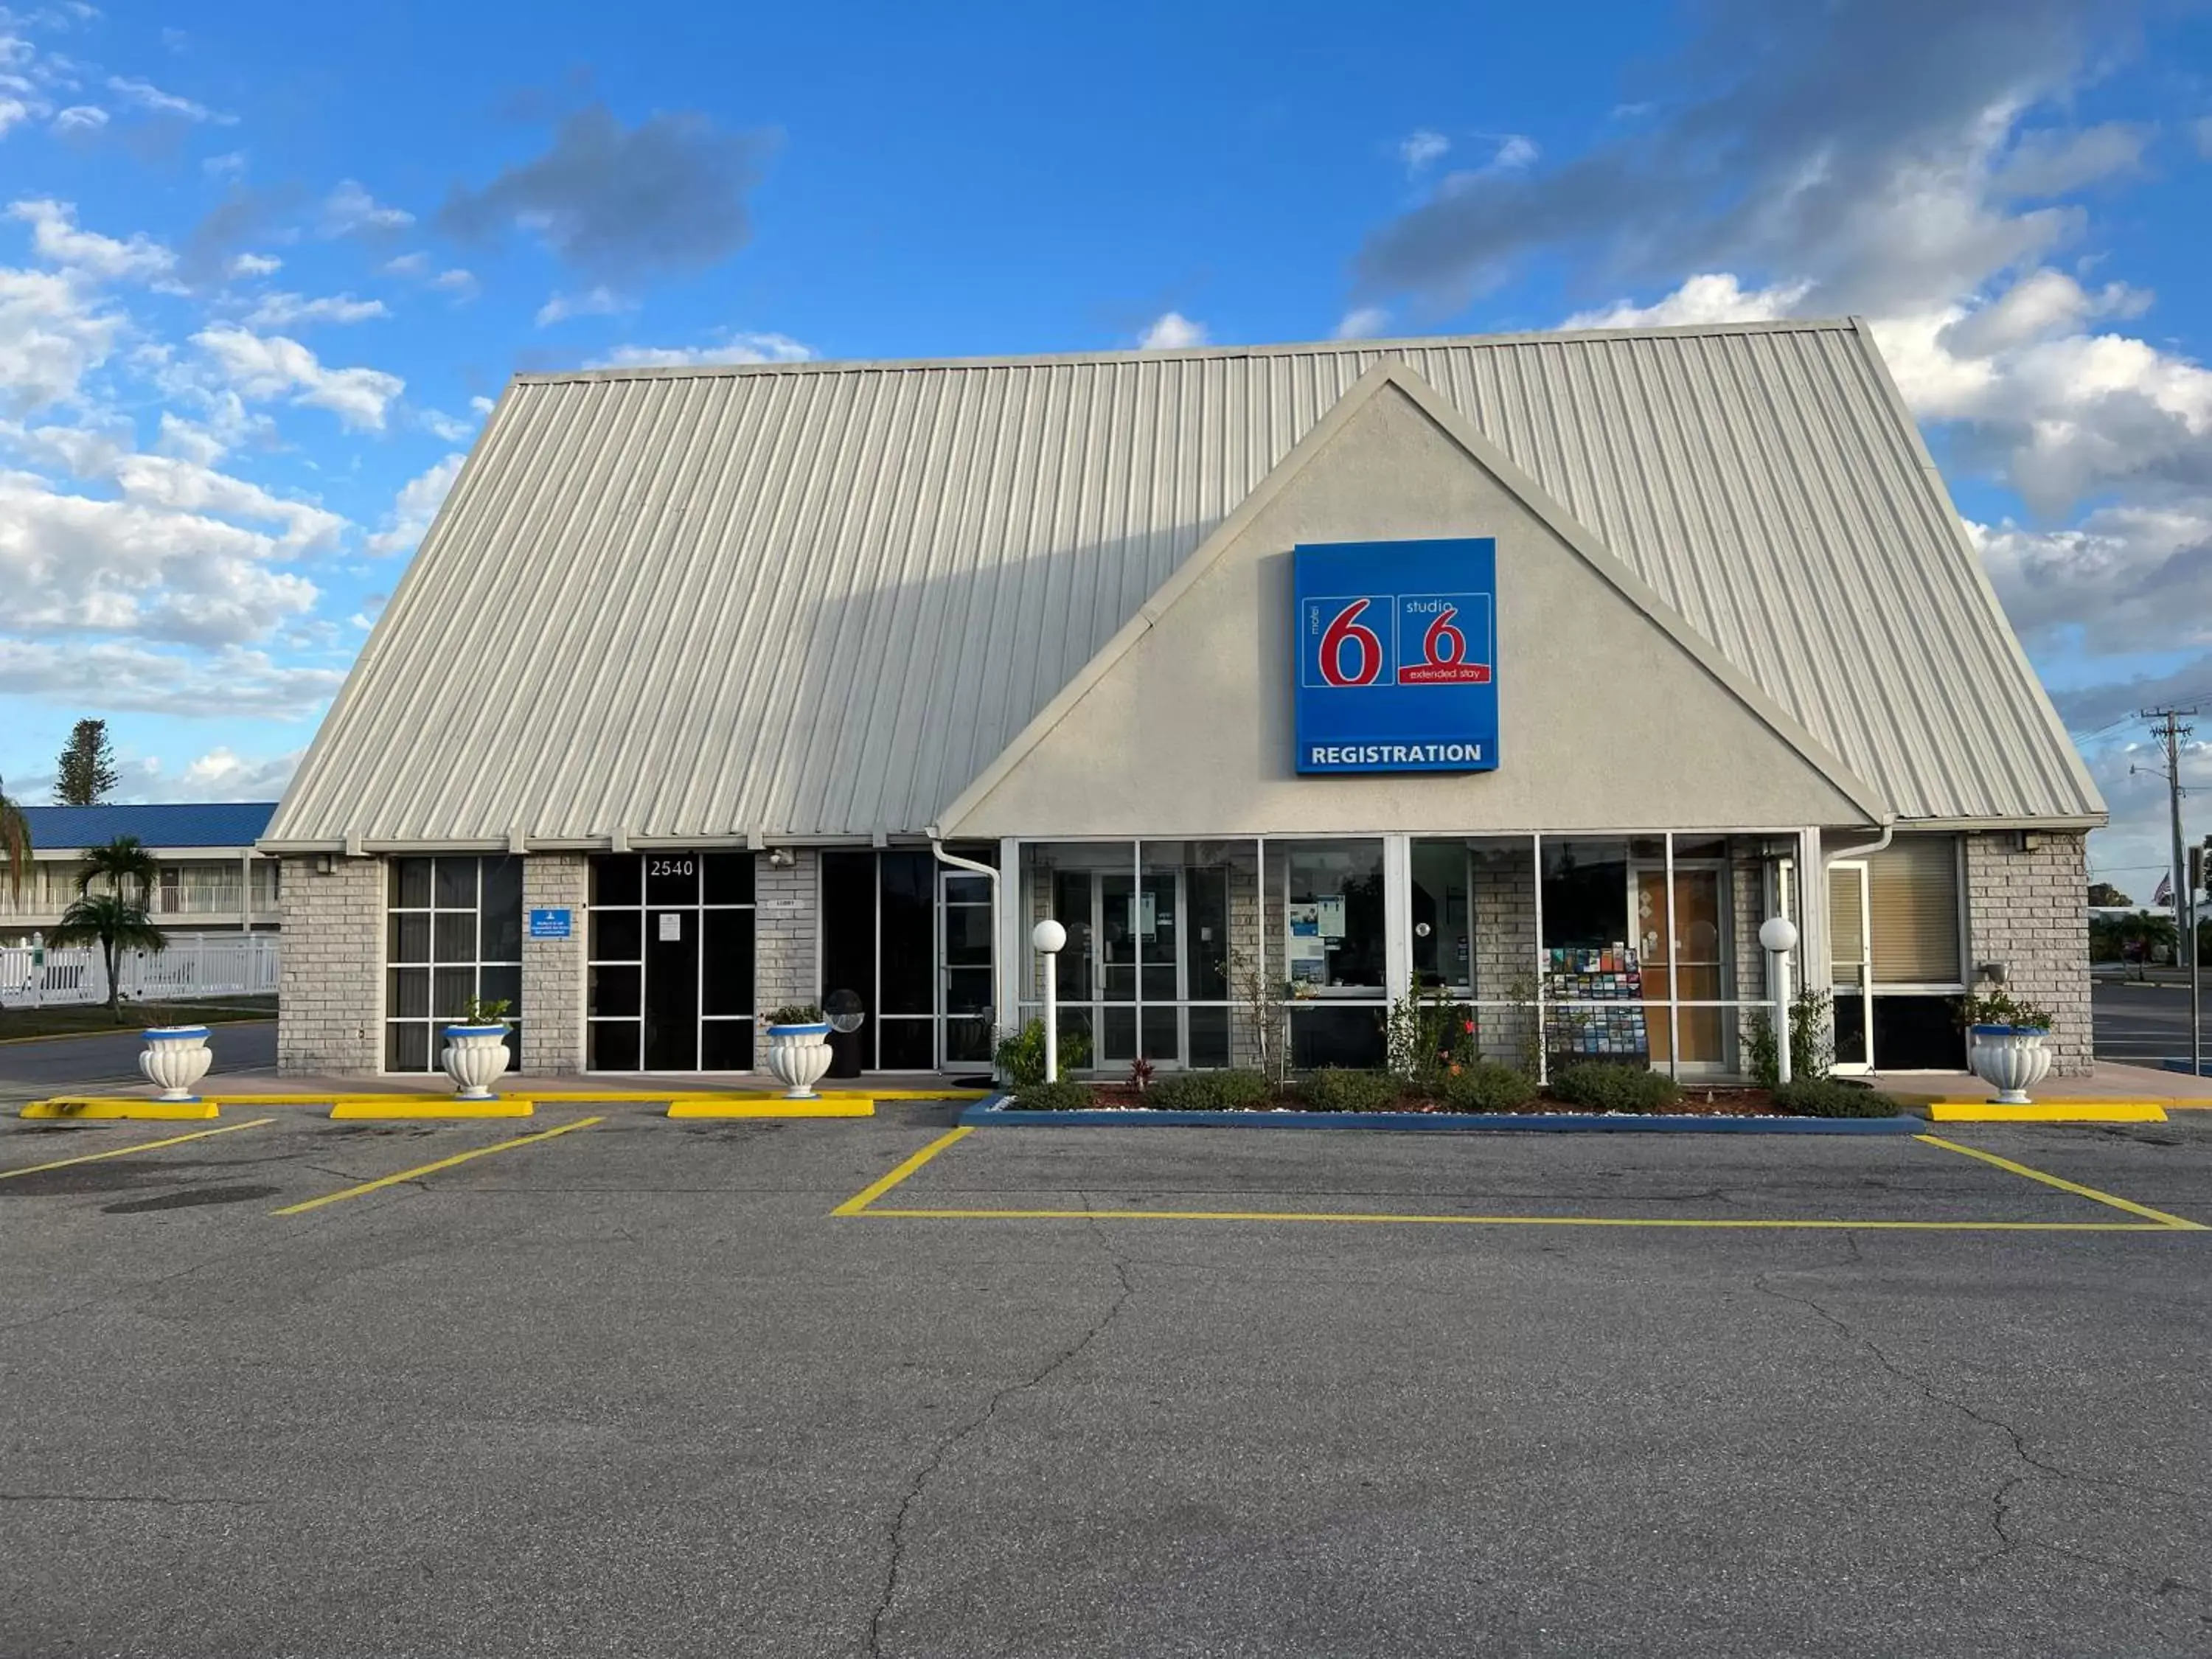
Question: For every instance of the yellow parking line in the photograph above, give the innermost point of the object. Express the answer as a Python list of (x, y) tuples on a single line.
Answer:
[(869, 1193), (1728, 1223), (139, 1146), (2064, 1185), (432, 1169)]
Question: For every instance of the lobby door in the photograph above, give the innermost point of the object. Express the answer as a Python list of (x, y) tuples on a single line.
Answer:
[(1691, 963)]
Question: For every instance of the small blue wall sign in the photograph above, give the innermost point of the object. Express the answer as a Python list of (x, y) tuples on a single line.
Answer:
[(548, 924), (1397, 656)]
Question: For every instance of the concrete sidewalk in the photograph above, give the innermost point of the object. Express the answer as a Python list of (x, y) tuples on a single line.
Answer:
[(2107, 1080)]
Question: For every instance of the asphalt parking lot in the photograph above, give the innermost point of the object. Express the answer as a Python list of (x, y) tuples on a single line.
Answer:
[(634, 1386)]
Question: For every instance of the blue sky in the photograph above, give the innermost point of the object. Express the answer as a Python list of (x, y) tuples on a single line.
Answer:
[(262, 266)]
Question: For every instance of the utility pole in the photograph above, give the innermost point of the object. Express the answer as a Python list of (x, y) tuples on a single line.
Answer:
[(2184, 899)]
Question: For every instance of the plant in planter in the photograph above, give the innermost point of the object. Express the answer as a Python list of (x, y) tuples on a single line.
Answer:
[(2004, 1043), (798, 1049), (475, 1054), (175, 1059)]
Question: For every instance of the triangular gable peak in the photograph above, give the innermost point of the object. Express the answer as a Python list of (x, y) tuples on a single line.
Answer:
[(1614, 714)]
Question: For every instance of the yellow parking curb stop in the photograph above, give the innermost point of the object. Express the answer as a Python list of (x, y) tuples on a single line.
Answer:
[(398, 1107), (773, 1106), (2047, 1111), (122, 1106)]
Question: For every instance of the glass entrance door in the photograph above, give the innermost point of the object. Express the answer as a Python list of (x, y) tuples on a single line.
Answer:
[(1124, 936), (1690, 963)]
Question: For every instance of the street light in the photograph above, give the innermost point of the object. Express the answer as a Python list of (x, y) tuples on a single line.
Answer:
[(1779, 935), (1050, 938)]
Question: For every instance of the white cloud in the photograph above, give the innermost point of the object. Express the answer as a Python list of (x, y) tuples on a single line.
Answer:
[(191, 486), (1714, 297), (1363, 323), (80, 119), (262, 367), (1515, 149), (481, 404), (415, 506), (1420, 147), (417, 264), (736, 348), (144, 95), (1171, 331), (444, 427), (455, 280), (74, 564), (232, 681), (255, 265), (292, 310), (52, 335), (14, 111), (229, 165), (601, 301), (56, 237), (350, 208), (221, 774)]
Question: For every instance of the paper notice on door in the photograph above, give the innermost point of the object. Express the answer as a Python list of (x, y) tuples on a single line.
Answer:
[(1329, 912), (671, 926)]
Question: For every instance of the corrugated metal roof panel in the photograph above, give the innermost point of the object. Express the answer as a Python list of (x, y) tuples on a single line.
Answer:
[(182, 823), (820, 598)]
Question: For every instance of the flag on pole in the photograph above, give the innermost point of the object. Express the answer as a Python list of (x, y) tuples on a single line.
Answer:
[(2165, 893)]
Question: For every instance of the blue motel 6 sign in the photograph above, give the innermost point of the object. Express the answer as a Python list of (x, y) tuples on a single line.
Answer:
[(1397, 656)]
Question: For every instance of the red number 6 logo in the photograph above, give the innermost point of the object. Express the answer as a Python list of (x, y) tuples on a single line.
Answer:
[(1442, 643), (1348, 629)]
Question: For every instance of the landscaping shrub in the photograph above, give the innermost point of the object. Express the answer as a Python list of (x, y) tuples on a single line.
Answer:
[(1486, 1086), (1209, 1091), (1021, 1056), (1824, 1098), (1052, 1097), (1598, 1088), (1340, 1089)]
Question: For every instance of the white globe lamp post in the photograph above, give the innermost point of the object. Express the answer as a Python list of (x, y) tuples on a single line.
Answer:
[(1050, 938), (1779, 936)]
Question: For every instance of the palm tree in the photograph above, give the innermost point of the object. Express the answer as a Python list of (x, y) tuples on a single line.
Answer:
[(15, 842), (118, 925), (123, 861)]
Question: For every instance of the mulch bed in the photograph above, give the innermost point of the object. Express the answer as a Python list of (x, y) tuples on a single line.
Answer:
[(1696, 1101)]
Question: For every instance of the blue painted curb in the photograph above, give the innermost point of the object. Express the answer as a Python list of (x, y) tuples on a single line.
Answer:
[(992, 1111)]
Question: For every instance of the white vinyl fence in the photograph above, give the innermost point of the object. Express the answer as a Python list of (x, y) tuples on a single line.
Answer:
[(196, 965)]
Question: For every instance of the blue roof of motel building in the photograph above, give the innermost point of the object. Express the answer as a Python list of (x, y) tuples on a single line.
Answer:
[(185, 824)]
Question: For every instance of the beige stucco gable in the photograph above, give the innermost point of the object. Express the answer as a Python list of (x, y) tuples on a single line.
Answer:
[(1613, 715)]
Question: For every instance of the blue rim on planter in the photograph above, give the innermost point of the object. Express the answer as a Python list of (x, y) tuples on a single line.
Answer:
[(474, 1030), (813, 1027), (2011, 1031), (172, 1033)]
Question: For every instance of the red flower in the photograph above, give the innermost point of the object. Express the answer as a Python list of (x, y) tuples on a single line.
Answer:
[(1469, 1027)]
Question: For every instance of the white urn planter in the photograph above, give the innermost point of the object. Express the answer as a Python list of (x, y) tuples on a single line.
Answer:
[(798, 1055), (475, 1057), (175, 1059), (2010, 1058)]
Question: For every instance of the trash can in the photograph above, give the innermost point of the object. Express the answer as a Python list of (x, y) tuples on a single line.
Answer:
[(846, 1013)]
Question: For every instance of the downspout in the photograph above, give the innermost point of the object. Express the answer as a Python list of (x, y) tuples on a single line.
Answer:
[(999, 971), (1867, 851)]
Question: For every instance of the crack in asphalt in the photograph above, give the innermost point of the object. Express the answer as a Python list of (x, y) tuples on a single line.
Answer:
[(968, 1430), (2010, 1538)]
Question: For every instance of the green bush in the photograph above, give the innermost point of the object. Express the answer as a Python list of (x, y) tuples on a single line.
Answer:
[(1597, 1087), (1824, 1098), (1209, 1091), (1486, 1086), (1053, 1097), (1340, 1089), (1021, 1056)]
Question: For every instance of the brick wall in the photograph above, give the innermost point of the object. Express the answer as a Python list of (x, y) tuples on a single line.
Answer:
[(1502, 896), (330, 1009), (552, 1011), (2028, 910), (787, 926)]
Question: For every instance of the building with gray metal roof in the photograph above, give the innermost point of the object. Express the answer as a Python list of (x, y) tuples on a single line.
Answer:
[(817, 617)]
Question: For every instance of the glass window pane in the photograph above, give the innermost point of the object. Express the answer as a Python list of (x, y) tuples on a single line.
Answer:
[(456, 884), (725, 1045), (967, 1039), (456, 936), (906, 1045), (406, 1047), (1336, 1036), (410, 883), (616, 878), (1585, 894), (450, 991), (407, 992), (968, 935), (1439, 925), (614, 1045), (407, 937), (726, 964), (502, 940), (618, 936), (614, 990), (967, 889), (967, 990), (729, 877), (498, 984), (1332, 919), (1162, 1038), (1205, 937), (1209, 1038), (908, 935), (848, 925), (672, 878)]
